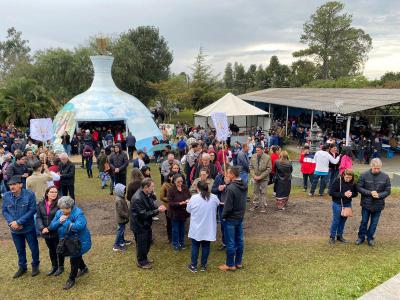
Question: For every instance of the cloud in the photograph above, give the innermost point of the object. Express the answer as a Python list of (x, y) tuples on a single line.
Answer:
[(247, 31)]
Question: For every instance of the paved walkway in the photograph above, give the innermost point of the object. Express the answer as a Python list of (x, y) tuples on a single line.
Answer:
[(389, 290)]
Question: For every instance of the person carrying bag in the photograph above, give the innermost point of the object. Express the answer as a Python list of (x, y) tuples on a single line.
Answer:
[(342, 191)]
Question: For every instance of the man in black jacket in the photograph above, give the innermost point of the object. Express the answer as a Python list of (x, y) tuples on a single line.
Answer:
[(118, 164), (233, 214), (67, 176), (18, 168), (374, 186), (143, 210)]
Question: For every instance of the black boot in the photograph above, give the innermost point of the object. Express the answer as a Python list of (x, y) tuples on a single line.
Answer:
[(19, 273), (332, 240), (69, 284), (52, 271), (35, 271), (82, 272), (59, 271), (341, 239)]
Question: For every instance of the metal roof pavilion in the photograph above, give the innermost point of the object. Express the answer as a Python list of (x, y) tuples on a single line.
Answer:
[(334, 100)]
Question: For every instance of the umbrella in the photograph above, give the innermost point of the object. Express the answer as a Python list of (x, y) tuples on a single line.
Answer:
[(161, 147)]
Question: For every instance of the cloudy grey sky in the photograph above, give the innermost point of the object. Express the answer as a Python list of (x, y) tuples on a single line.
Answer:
[(229, 30)]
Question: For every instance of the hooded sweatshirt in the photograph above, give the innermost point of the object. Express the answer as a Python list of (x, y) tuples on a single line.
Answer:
[(235, 200), (121, 207)]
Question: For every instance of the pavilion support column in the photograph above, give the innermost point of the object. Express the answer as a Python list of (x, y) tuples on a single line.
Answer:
[(312, 118), (287, 120), (348, 130)]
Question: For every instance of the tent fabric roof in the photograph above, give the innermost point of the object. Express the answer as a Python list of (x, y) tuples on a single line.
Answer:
[(343, 100), (232, 106)]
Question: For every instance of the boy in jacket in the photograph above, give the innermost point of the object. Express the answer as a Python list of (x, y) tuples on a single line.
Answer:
[(122, 217), (307, 166)]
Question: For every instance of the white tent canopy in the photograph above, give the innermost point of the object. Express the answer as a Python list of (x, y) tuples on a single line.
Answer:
[(232, 106), (238, 111)]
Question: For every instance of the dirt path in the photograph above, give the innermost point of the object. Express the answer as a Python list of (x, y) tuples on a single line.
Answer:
[(303, 217)]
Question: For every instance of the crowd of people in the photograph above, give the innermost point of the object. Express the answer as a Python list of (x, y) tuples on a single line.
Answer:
[(202, 180)]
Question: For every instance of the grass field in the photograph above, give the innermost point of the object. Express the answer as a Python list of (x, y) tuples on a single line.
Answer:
[(304, 267)]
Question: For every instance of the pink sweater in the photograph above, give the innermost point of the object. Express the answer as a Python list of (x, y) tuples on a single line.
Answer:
[(345, 163)]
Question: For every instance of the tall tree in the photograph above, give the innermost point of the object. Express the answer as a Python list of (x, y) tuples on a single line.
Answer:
[(12, 51), (228, 76), (251, 77), (151, 60), (239, 79), (338, 48), (302, 72), (262, 80), (279, 74)]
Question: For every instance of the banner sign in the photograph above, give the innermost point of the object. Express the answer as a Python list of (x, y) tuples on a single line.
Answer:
[(64, 122), (220, 121), (41, 129)]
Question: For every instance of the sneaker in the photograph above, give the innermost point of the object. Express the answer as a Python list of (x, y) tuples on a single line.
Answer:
[(156, 219), (321, 195), (359, 241), (263, 211), (82, 272), (183, 247), (238, 267), (304, 190), (371, 243), (203, 268), (341, 239), (311, 195), (146, 266), (332, 240), (118, 248), (150, 260), (222, 247), (192, 268), (127, 242)]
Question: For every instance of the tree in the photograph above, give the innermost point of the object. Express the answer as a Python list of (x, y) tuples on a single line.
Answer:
[(228, 76), (12, 51), (342, 82), (302, 72), (390, 76), (251, 77), (171, 93), (23, 99), (64, 73), (141, 55), (239, 81), (262, 80), (338, 48), (279, 74)]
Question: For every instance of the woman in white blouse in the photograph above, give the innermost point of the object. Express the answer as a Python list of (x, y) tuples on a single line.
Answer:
[(203, 224)]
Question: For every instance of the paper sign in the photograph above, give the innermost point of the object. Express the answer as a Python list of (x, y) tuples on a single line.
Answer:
[(220, 121), (41, 129)]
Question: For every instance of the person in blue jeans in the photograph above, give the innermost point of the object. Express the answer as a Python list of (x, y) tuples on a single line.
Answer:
[(19, 208), (178, 196), (122, 218), (233, 214), (374, 186), (203, 224), (342, 191), (219, 189)]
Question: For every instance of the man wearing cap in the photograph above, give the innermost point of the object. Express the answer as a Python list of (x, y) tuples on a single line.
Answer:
[(19, 207)]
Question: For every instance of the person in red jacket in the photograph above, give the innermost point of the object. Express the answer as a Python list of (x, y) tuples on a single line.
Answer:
[(307, 166), (275, 151)]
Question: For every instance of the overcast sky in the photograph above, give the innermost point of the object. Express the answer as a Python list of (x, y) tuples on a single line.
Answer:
[(229, 30)]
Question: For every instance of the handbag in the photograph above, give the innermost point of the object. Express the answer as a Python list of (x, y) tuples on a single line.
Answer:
[(69, 245), (346, 211)]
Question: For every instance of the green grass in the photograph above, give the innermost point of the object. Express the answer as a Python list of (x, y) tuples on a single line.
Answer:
[(275, 268), (185, 115)]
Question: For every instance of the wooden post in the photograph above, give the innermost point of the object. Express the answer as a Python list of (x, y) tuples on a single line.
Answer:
[(223, 157), (348, 130)]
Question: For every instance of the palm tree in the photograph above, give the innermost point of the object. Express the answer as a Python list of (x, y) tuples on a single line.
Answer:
[(22, 99)]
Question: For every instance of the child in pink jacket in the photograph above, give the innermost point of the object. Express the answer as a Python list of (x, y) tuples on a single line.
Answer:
[(346, 162)]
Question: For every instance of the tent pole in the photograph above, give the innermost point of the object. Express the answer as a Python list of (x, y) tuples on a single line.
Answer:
[(312, 118), (348, 130), (287, 119)]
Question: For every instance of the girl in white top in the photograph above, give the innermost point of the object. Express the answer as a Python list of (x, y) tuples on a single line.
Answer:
[(203, 224)]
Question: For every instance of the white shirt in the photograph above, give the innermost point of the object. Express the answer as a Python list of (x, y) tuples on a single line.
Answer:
[(203, 218), (322, 159)]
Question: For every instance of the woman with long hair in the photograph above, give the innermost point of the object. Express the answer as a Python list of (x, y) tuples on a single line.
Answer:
[(164, 199), (178, 196), (283, 179), (342, 191), (134, 184), (46, 210), (203, 224)]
